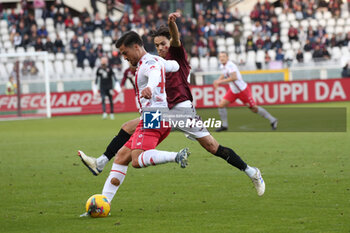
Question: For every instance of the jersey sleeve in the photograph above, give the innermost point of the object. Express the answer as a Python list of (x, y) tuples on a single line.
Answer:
[(170, 65), (152, 69)]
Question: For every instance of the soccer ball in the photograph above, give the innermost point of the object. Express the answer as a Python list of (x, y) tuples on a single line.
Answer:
[(98, 206)]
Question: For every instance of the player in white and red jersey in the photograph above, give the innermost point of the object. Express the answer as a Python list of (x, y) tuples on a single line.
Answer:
[(150, 91), (238, 90)]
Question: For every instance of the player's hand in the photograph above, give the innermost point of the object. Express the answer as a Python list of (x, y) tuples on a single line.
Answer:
[(216, 84), (146, 93), (172, 17), (123, 89)]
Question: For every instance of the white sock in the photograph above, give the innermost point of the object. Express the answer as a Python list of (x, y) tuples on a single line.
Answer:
[(223, 116), (262, 112), (250, 171), (101, 162), (118, 171), (153, 157)]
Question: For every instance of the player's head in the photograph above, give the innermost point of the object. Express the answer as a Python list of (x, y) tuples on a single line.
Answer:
[(130, 46), (161, 39), (223, 57), (104, 61)]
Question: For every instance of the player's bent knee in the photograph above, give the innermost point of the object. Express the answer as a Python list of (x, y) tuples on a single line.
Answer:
[(254, 109), (115, 181), (135, 164), (130, 126)]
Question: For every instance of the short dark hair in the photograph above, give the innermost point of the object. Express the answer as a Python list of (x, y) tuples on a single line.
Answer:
[(161, 31), (128, 39)]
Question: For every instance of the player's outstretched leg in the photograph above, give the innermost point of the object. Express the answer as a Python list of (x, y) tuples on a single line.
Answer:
[(262, 112), (153, 157), (223, 116), (254, 173)]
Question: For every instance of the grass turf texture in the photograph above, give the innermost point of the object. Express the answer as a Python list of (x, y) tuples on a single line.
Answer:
[(44, 186)]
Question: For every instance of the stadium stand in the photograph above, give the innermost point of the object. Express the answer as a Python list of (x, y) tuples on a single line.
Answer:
[(246, 36)]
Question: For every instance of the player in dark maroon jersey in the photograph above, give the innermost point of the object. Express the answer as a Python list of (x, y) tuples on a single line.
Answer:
[(129, 74), (179, 97)]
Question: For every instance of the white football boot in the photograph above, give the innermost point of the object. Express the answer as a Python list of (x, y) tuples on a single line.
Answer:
[(89, 162), (258, 182)]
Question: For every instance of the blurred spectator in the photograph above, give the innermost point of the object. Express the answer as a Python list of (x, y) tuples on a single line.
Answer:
[(59, 23), (42, 32), (49, 46), (92, 57), (275, 26), (74, 44), (188, 41), (318, 53), (266, 30), (325, 54), (277, 44), (250, 45), (212, 47), (29, 67), (267, 43), (39, 46), (68, 22), (115, 61), (293, 33), (237, 34), (39, 6), (257, 28), (300, 56), (259, 43), (346, 71), (308, 46), (59, 46), (202, 46), (84, 15), (25, 41), (97, 21), (87, 42), (17, 40), (99, 50), (81, 55), (51, 13), (267, 58), (88, 25), (79, 29), (279, 55)]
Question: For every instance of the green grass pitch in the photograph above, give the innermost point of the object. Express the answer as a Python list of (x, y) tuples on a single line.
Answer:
[(44, 186)]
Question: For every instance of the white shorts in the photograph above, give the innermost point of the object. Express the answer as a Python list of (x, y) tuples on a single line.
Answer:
[(190, 132)]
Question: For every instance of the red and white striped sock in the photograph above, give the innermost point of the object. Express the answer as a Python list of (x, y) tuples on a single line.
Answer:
[(154, 157), (119, 172)]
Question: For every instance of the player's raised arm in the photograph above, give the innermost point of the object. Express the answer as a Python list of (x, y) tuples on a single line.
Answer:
[(174, 31)]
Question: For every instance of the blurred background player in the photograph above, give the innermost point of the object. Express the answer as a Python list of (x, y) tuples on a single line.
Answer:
[(105, 76), (238, 90), (129, 75)]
